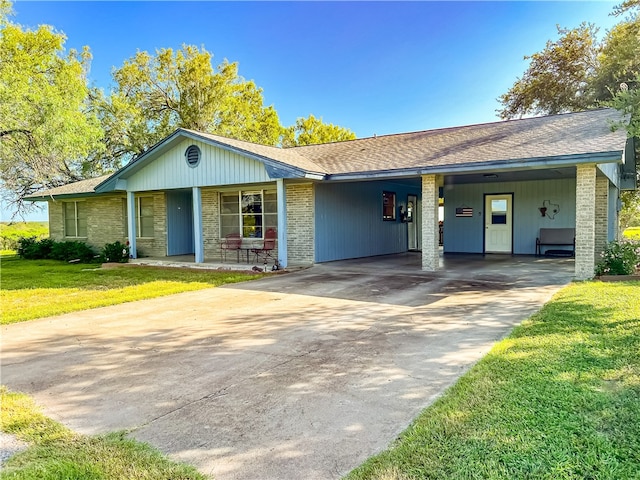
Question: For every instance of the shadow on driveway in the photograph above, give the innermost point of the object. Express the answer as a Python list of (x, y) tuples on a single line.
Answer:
[(300, 375)]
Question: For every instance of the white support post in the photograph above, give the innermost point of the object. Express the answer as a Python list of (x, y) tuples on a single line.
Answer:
[(430, 229), (281, 193), (198, 237), (131, 223)]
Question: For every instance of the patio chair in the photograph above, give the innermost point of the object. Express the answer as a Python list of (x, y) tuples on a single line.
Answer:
[(231, 242), (269, 243)]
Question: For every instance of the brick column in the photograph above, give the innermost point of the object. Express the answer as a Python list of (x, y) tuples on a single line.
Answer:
[(602, 216), (430, 248), (585, 221), (300, 223)]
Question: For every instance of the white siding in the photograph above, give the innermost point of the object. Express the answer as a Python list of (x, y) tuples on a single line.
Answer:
[(217, 167)]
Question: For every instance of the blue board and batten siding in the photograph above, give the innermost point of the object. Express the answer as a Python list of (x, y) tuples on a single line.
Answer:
[(465, 234), (217, 167), (349, 224)]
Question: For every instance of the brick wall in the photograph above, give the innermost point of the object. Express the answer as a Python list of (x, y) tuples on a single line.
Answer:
[(585, 221), (155, 246), (602, 215), (56, 221), (211, 223), (105, 220), (300, 224)]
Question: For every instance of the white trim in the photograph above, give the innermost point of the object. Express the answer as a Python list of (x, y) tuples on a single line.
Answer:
[(75, 223)]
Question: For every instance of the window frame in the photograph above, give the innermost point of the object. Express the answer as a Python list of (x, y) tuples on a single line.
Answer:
[(76, 219), (268, 218), (139, 216), (125, 216)]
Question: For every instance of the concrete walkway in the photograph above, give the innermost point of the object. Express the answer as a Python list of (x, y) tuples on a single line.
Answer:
[(301, 375)]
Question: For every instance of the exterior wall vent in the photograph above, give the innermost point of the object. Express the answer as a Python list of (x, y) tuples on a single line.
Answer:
[(192, 155)]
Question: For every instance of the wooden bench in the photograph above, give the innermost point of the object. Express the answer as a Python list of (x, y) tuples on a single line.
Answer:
[(556, 237)]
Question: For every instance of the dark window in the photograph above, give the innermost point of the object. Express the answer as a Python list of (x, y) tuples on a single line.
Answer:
[(248, 213), (388, 205)]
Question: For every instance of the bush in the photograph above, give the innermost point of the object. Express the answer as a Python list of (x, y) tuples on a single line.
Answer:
[(620, 258), (33, 249), (115, 252), (68, 251)]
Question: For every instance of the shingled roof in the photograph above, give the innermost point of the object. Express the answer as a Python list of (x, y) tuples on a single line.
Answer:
[(581, 133), (286, 156), (81, 187)]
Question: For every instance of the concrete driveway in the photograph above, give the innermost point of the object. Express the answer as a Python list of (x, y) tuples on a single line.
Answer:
[(301, 375)]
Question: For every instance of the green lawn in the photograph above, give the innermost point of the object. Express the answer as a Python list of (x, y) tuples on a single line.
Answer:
[(632, 233), (40, 288), (558, 399), (57, 453)]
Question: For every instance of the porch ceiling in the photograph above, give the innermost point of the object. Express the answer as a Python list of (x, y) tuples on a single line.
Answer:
[(511, 176)]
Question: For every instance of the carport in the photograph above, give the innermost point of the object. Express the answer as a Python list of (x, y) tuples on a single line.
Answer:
[(501, 182)]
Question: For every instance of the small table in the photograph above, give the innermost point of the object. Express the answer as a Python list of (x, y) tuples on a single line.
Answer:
[(247, 249)]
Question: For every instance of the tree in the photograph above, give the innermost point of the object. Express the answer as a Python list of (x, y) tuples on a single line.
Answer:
[(154, 95), (311, 131), (46, 132), (558, 78), (577, 72)]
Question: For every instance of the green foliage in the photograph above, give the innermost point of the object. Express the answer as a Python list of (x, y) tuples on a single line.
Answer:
[(312, 131), (34, 249), (46, 131), (115, 252), (578, 72), (72, 251), (11, 233), (57, 452), (619, 258), (558, 399), (618, 60), (630, 213), (181, 89), (557, 79)]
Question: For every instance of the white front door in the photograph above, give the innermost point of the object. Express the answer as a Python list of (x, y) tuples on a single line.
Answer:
[(412, 221), (498, 232)]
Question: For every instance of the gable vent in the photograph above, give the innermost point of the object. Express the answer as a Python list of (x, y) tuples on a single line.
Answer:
[(192, 156)]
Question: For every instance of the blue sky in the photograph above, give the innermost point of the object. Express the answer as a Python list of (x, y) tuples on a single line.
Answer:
[(374, 67)]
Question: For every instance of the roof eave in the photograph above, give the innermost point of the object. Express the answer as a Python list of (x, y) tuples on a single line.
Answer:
[(493, 166), (61, 196)]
